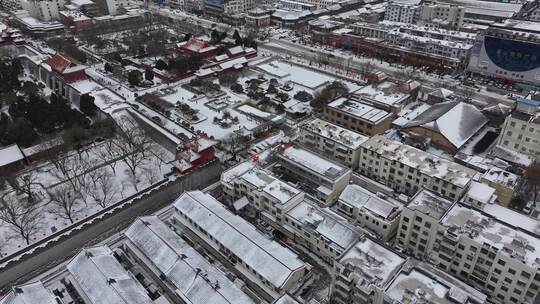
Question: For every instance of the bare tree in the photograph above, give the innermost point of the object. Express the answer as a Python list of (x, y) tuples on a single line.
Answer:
[(27, 184), (63, 202), (134, 146), (151, 174), (22, 217), (72, 170), (104, 193)]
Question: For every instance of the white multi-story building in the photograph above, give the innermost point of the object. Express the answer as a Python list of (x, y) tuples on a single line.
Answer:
[(332, 141), (267, 267), (407, 169), (43, 10), (268, 197), (113, 7), (521, 132), (322, 177), (369, 211), (432, 15), (178, 267), (363, 271), (493, 249), (419, 282), (419, 220)]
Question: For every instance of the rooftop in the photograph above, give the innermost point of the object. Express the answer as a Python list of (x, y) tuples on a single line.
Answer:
[(103, 280), (195, 279), (386, 93), (456, 121), (482, 228), (272, 261), (33, 293), (335, 133), (326, 223), (428, 164), (10, 154), (422, 283), (358, 197), (370, 263), (314, 162), (429, 203), (480, 192), (360, 110), (501, 177)]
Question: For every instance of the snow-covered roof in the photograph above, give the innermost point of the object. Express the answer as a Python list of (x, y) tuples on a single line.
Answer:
[(372, 263), (427, 163), (297, 74), (456, 121), (195, 279), (480, 192), (483, 228), (501, 177), (422, 283), (314, 163), (355, 196), (326, 223), (33, 293), (385, 93), (429, 203), (103, 280), (286, 299), (360, 110), (512, 156), (334, 132), (269, 259), (10, 154)]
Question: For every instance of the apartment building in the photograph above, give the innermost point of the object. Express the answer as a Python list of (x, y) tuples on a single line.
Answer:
[(493, 249), (363, 271), (267, 267), (418, 221), (406, 169), (430, 14), (112, 7), (318, 176), (358, 116), (187, 276), (99, 278), (332, 141), (505, 184), (369, 211), (319, 231), (419, 282), (267, 197), (521, 131), (10, 5), (229, 8), (43, 10)]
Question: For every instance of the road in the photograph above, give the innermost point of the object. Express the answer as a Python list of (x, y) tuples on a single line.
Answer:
[(338, 60)]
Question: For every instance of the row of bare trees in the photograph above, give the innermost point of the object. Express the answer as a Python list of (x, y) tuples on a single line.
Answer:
[(80, 179)]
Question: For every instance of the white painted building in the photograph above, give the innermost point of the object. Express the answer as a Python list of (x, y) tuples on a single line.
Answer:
[(267, 267), (332, 141), (43, 10), (369, 211)]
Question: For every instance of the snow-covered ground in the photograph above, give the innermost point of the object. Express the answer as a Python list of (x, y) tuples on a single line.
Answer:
[(99, 178)]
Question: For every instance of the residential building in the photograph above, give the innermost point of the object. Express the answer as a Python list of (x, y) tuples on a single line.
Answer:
[(30, 293), (319, 231), (362, 272), (358, 116), (406, 169), (113, 7), (267, 267), (430, 14), (369, 211), (10, 5), (505, 184), (230, 8), (332, 141), (384, 95), (419, 220), (521, 129), (479, 195), (99, 278), (268, 197), (448, 125), (178, 267), (43, 10), (321, 177), (258, 17), (419, 282)]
